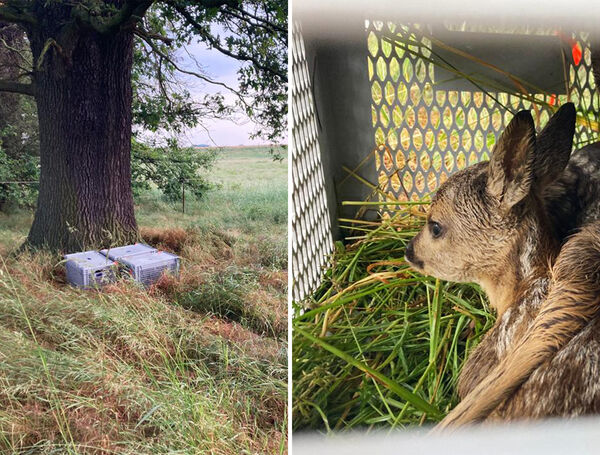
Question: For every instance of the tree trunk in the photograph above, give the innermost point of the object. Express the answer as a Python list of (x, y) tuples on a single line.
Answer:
[(83, 95)]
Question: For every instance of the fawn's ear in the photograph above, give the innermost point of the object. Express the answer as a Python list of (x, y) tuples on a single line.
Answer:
[(510, 170), (554, 145)]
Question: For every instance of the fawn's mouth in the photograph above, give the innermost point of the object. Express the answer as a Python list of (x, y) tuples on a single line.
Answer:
[(411, 258), (415, 263)]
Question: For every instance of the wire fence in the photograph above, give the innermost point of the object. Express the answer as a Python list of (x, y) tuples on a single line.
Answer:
[(31, 182)]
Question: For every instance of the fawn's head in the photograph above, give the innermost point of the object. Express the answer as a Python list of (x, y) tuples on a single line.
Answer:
[(480, 214)]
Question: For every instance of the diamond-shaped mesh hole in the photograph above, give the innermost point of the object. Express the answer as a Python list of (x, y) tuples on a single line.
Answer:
[(433, 132)]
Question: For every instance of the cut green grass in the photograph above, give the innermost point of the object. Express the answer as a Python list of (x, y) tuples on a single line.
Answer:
[(378, 344)]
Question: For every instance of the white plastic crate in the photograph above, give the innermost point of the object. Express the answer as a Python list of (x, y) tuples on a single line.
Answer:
[(90, 269), (127, 250), (147, 268)]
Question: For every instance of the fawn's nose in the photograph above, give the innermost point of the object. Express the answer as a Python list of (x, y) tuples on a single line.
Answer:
[(410, 252)]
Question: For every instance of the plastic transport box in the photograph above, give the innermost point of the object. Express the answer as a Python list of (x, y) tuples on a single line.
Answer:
[(127, 250), (147, 268), (90, 269)]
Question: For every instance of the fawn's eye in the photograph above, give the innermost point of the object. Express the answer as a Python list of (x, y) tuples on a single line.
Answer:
[(435, 229)]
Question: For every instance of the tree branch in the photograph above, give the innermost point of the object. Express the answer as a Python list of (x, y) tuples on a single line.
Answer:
[(191, 73), (271, 28), (17, 87), (215, 3), (16, 51), (217, 45), (142, 33), (13, 13), (132, 9), (265, 23)]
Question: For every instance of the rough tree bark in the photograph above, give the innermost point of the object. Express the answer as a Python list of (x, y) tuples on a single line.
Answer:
[(82, 82)]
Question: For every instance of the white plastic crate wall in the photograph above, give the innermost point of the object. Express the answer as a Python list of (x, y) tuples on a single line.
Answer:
[(312, 240)]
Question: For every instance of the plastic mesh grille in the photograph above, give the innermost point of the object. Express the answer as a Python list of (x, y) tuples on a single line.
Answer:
[(152, 274), (424, 134), (311, 228)]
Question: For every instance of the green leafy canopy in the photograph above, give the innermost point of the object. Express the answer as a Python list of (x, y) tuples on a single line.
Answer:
[(169, 168)]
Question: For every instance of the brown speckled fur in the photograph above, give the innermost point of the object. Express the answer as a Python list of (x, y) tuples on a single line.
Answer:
[(510, 327), (567, 382), (567, 385)]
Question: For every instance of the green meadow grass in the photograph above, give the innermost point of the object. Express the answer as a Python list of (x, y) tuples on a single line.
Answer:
[(196, 365), (250, 196)]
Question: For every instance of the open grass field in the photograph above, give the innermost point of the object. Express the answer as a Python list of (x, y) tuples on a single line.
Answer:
[(195, 365)]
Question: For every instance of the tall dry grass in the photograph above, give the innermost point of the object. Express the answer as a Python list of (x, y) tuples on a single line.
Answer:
[(192, 365)]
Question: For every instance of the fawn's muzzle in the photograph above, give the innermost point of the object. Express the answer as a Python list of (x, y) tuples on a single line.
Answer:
[(410, 252), (410, 257)]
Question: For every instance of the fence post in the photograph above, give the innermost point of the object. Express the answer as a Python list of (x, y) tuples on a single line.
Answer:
[(183, 196)]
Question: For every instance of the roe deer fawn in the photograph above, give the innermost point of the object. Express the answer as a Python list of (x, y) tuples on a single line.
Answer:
[(501, 224)]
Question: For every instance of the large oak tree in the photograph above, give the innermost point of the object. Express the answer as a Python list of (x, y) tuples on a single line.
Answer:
[(82, 57)]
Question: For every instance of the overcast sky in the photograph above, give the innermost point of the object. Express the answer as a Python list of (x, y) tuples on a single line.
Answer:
[(222, 68)]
